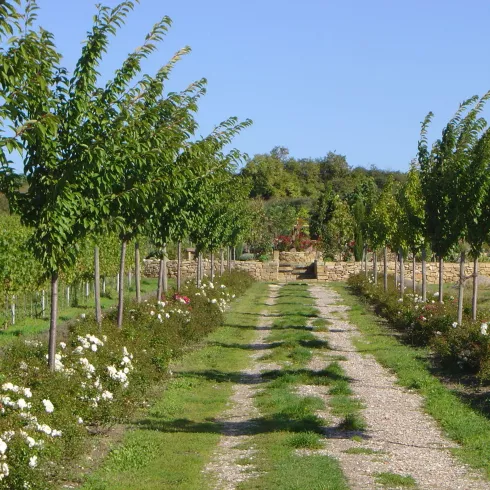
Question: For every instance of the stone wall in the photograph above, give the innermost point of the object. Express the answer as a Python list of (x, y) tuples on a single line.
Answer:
[(340, 271), (262, 271), (298, 257), (322, 271)]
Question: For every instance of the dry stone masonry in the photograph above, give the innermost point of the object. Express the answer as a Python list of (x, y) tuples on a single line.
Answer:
[(292, 266)]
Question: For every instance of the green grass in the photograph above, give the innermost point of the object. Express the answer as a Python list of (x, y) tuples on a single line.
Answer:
[(169, 447), (289, 421), (361, 450), (393, 480), (471, 430), (32, 326)]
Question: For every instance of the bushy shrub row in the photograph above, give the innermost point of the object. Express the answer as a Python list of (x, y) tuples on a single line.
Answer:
[(464, 347), (102, 376)]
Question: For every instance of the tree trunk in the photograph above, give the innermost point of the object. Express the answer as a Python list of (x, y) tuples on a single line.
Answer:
[(402, 275), (461, 288), (164, 271), (179, 266), (160, 280), (229, 259), (68, 296), (375, 267), (12, 309), (221, 262), (120, 305), (365, 260), (53, 323), (396, 265), (198, 270), (118, 281), (43, 303), (98, 309), (424, 274), (474, 300), (212, 267), (137, 271), (385, 269), (414, 284), (441, 279)]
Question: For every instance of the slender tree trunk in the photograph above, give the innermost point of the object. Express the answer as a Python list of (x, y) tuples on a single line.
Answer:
[(414, 284), (441, 280), (129, 279), (402, 275), (98, 309), (365, 260), (12, 309), (179, 266), (198, 270), (229, 259), (43, 303), (120, 306), (221, 262), (461, 288), (212, 267), (375, 267), (53, 323), (396, 276), (474, 300), (160, 280), (165, 271), (385, 269), (68, 296), (118, 281), (424, 274), (137, 271)]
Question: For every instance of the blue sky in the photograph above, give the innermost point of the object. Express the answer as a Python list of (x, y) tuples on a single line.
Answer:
[(355, 77)]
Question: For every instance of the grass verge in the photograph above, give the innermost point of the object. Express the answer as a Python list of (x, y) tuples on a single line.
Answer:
[(169, 447), (469, 429)]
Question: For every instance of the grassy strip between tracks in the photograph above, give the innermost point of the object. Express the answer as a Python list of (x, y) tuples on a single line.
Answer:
[(289, 421), (462, 424)]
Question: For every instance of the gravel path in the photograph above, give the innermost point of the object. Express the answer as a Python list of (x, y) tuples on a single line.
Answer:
[(406, 440), (232, 460)]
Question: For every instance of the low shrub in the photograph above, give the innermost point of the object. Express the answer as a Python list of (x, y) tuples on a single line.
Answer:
[(464, 347), (102, 375)]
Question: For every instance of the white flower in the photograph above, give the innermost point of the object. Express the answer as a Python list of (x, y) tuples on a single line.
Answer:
[(484, 329), (33, 461), (3, 446), (30, 441), (78, 350), (23, 365), (83, 315), (152, 312), (21, 403), (27, 392), (80, 420), (62, 345), (4, 470), (48, 406), (400, 300), (94, 347), (56, 433), (159, 316), (213, 300), (455, 324), (436, 294), (107, 395), (167, 315), (45, 428)]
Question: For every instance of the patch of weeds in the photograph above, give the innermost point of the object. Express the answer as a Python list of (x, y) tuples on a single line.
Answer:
[(357, 438), (304, 440), (393, 480), (352, 422), (361, 450)]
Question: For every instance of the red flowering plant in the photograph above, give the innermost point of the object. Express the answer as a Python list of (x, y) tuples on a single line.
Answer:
[(182, 299)]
